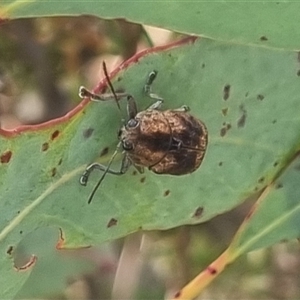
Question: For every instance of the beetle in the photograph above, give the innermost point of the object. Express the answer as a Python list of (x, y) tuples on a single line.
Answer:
[(169, 141)]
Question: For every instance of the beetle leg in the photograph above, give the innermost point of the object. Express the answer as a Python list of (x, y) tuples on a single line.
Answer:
[(155, 105), (139, 169), (83, 92), (183, 108), (131, 107), (147, 88), (86, 174)]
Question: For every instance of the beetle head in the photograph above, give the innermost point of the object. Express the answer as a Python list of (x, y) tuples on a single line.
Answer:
[(129, 134)]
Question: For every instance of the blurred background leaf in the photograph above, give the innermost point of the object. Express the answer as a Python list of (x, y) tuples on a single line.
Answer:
[(242, 22)]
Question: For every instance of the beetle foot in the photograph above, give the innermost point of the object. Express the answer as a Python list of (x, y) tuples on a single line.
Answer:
[(84, 178)]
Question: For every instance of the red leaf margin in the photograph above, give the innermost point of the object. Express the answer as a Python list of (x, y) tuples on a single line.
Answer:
[(101, 85)]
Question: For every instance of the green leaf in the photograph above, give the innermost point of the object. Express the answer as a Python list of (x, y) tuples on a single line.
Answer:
[(52, 269), (276, 216), (246, 96), (241, 22)]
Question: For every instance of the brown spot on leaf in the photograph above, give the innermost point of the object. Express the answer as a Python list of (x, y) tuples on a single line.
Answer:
[(242, 120), (278, 185), (45, 146), (104, 151), (10, 250), (260, 97), (54, 135), (261, 179), (298, 73), (59, 162), (220, 164), (263, 38), (167, 193), (53, 172), (224, 129), (112, 222), (226, 92), (134, 172), (225, 111), (274, 121), (211, 270), (198, 212), (276, 163), (177, 295), (203, 66), (88, 132), (5, 157), (142, 180)]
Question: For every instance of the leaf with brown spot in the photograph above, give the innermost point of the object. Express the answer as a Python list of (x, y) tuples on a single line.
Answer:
[(249, 154)]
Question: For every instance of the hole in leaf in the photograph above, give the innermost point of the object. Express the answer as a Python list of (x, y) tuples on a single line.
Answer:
[(26, 265), (61, 240)]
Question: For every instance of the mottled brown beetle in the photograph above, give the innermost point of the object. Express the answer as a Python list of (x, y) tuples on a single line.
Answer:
[(166, 142)]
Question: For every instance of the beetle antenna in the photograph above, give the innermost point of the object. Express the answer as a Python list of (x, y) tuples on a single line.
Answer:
[(104, 174), (110, 84)]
